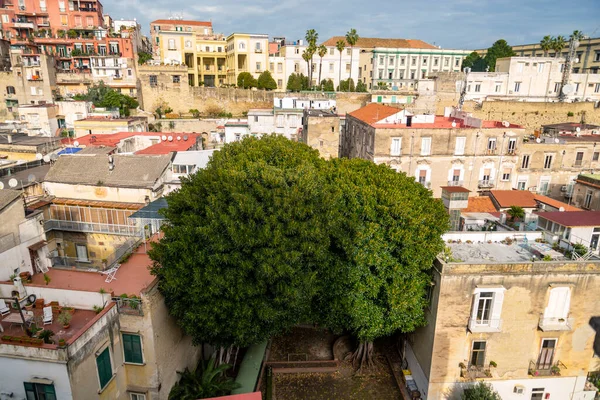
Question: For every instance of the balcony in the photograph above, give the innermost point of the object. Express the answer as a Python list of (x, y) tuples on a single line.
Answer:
[(24, 25), (92, 263), (485, 184), (35, 78), (555, 324), (487, 325), (538, 368), (258, 50), (511, 152), (90, 227), (455, 183), (473, 372), (129, 305)]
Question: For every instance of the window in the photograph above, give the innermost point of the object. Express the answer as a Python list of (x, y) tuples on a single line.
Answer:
[(381, 60), (82, 253), (459, 148), (279, 68), (348, 68), (487, 309), (537, 393), (498, 87), (64, 20), (348, 52), (484, 307), (402, 61), (412, 74), (391, 61), (423, 177), (457, 62), (446, 62), (456, 176), (517, 87), (520, 67), (10, 90), (258, 66), (587, 202), (153, 80), (477, 87), (413, 61), (506, 174), (39, 391), (242, 46), (425, 146), (435, 62), (279, 83), (491, 145), (597, 56), (176, 79), (132, 349), (544, 185), (424, 60), (257, 46), (280, 121), (578, 159), (396, 146), (61, 6), (546, 356), (137, 396), (521, 185), (331, 67), (540, 67), (331, 51), (478, 353), (595, 156), (296, 67), (172, 44), (597, 88), (548, 161), (104, 367), (512, 145), (577, 87), (525, 161)]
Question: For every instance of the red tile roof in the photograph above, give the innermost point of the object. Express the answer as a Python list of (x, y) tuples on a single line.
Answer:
[(245, 396), (455, 189), (374, 112), (180, 22), (167, 147), (160, 148), (520, 198), (573, 218), (555, 203), (482, 204), (370, 43)]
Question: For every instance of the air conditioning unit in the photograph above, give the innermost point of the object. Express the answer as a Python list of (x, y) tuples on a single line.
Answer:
[(533, 189), (519, 389)]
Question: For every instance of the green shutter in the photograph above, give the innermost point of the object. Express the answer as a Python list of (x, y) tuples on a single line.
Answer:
[(132, 347), (49, 392), (104, 367), (29, 391)]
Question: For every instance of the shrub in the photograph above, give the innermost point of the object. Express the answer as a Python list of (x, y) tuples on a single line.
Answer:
[(570, 114), (64, 318), (213, 111), (46, 336), (195, 113)]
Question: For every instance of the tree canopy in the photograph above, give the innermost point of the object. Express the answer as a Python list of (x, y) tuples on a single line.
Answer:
[(499, 49), (144, 57), (270, 235), (104, 96), (475, 62), (266, 81), (327, 85), (245, 80), (480, 391), (297, 82)]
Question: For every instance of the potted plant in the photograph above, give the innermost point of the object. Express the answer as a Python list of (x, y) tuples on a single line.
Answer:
[(6, 338), (65, 319), (46, 336), (37, 341), (493, 364), (70, 310), (555, 370), (62, 343)]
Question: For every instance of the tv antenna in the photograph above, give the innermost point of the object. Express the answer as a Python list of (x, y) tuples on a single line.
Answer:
[(463, 90), (567, 89)]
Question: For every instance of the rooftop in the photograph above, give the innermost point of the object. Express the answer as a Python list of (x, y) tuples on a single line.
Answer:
[(27, 177), (520, 198), (98, 150), (180, 22), (177, 144), (7, 196), (109, 119), (502, 251), (370, 43), (24, 140), (570, 126), (132, 277), (140, 171), (555, 203), (96, 203), (481, 204), (455, 189), (573, 218)]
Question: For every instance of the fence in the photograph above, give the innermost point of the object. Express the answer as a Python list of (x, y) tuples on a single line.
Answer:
[(96, 263)]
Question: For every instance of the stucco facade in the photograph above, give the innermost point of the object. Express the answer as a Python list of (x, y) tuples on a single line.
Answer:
[(246, 53), (321, 131)]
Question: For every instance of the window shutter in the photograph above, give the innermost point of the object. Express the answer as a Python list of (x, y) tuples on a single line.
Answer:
[(132, 346), (423, 173), (456, 172), (49, 392), (558, 303), (104, 367), (497, 309)]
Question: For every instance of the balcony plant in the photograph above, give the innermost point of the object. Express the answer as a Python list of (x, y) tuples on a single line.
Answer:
[(46, 336), (493, 364), (62, 342), (555, 370), (65, 319)]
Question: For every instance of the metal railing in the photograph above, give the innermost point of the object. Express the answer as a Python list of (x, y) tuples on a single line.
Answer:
[(555, 324), (539, 368), (486, 183), (473, 372), (485, 325), (129, 306), (455, 183), (90, 227)]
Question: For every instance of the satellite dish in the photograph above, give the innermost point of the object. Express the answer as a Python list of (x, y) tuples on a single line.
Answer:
[(178, 137), (1, 185), (164, 137), (568, 89), (13, 183), (578, 129), (561, 209), (538, 140), (46, 158), (453, 124), (31, 178), (505, 124), (76, 143), (556, 141), (15, 131), (185, 137), (39, 156), (170, 138)]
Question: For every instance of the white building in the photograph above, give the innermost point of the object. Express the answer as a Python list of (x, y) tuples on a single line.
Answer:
[(531, 79), (116, 72), (331, 64), (185, 163), (277, 69), (236, 130)]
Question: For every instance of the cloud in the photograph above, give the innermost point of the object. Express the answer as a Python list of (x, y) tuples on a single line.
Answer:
[(460, 24)]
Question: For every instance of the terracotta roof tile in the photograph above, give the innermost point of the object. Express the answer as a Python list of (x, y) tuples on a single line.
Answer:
[(482, 204), (374, 112), (573, 218), (370, 43), (507, 198), (555, 203)]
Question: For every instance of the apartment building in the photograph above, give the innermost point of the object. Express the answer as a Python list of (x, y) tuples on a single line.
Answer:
[(331, 66), (451, 150), (193, 44), (115, 72), (41, 119), (586, 191), (491, 291), (34, 79), (20, 147), (321, 131), (398, 64), (531, 79), (246, 52), (277, 69), (587, 54)]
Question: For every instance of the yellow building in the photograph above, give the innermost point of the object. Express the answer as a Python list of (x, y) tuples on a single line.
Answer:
[(246, 52)]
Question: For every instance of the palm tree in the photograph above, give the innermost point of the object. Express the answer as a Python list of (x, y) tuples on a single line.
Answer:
[(306, 56), (321, 51), (311, 38), (340, 45), (558, 44), (577, 35), (546, 44), (515, 212), (206, 381), (351, 38)]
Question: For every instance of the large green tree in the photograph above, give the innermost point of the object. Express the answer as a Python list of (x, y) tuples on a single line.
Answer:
[(266, 81), (480, 391), (322, 52), (385, 232), (475, 62), (558, 44), (245, 80), (245, 236), (104, 96), (499, 49), (311, 38)]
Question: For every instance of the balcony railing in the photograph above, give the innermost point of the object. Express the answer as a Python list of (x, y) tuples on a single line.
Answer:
[(129, 306), (555, 324), (486, 183), (90, 227), (92, 263), (455, 183), (485, 325), (538, 368), (473, 372), (511, 152)]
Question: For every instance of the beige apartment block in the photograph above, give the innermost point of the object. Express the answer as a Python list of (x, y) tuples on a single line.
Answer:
[(41, 119), (277, 69), (246, 52), (321, 131), (495, 315), (35, 77)]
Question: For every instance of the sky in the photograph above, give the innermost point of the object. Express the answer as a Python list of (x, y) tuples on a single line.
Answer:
[(451, 24)]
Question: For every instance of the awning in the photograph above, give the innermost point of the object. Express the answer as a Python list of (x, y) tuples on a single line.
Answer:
[(151, 210), (38, 245)]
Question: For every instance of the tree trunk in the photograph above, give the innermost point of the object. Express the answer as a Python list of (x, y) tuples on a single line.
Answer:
[(350, 76), (320, 68), (362, 358), (340, 74)]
